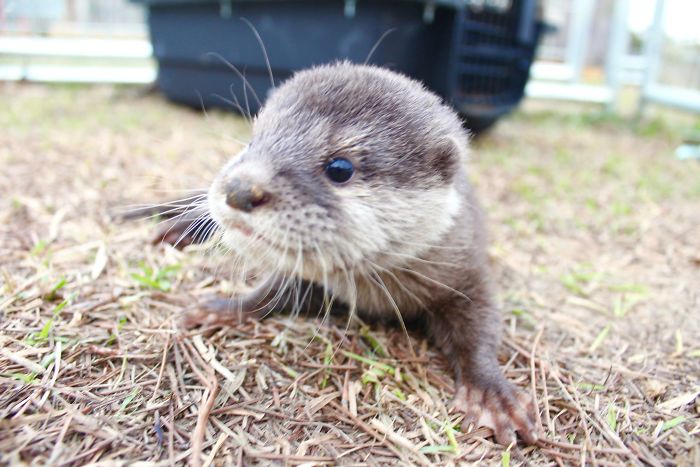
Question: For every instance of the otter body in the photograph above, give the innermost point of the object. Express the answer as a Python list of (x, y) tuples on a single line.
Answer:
[(354, 184)]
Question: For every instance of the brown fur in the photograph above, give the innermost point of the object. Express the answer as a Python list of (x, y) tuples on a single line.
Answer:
[(405, 234)]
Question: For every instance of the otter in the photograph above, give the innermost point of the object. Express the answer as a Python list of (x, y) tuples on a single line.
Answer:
[(353, 194)]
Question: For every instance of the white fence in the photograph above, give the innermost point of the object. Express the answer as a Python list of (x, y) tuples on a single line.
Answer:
[(647, 67), (654, 90), (599, 47), (88, 41)]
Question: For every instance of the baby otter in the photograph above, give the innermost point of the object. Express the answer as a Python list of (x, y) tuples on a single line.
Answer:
[(354, 182)]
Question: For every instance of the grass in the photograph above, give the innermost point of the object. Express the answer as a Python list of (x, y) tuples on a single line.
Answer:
[(595, 249)]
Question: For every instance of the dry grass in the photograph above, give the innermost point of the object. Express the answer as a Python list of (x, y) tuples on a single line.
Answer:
[(596, 242)]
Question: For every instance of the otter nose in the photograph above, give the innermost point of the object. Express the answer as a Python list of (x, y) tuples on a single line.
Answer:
[(245, 196)]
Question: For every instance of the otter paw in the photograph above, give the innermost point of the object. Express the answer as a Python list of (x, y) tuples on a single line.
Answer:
[(176, 233), (211, 313), (500, 408), (184, 230)]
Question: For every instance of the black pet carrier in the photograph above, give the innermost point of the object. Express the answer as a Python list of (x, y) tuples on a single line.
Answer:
[(475, 53)]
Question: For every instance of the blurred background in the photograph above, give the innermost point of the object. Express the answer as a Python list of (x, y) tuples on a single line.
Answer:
[(478, 54), (590, 179)]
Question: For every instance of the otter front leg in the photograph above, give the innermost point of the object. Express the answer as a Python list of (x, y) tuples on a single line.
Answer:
[(273, 294), (184, 222), (185, 231), (468, 331), (256, 304)]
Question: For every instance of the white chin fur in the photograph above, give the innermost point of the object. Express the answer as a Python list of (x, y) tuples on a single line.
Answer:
[(406, 223), (409, 228)]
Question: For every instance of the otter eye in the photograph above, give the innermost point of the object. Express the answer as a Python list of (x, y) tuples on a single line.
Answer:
[(339, 170)]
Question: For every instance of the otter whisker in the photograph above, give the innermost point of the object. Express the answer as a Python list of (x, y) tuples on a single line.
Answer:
[(206, 229), (181, 218), (212, 247), (432, 246), (176, 215), (376, 44), (153, 210), (264, 51), (377, 279), (148, 211), (210, 230), (422, 260), (324, 274), (237, 106), (201, 104), (246, 115), (352, 306), (326, 303), (199, 191), (234, 68), (178, 211), (436, 282), (238, 258), (196, 224), (298, 274), (282, 293), (282, 288), (390, 273)]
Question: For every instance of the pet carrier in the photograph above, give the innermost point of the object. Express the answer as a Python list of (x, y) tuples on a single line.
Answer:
[(475, 53)]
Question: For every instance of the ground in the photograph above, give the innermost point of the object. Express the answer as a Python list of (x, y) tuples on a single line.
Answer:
[(595, 231)]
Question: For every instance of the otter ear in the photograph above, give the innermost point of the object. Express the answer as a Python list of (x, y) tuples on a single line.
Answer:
[(447, 157)]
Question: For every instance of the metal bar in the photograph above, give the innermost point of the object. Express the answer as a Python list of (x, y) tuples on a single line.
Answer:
[(459, 19), (493, 51), (568, 92), (619, 41), (526, 26), (578, 37), (674, 96), (652, 54), (78, 74), (76, 48), (551, 71)]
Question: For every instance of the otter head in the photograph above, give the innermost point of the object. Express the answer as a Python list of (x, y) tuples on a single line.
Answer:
[(347, 165)]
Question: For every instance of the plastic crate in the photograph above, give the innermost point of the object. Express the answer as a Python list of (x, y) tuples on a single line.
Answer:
[(477, 58), (493, 51)]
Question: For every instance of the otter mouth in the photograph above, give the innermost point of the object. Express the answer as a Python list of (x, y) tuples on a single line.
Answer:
[(240, 226), (228, 221)]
